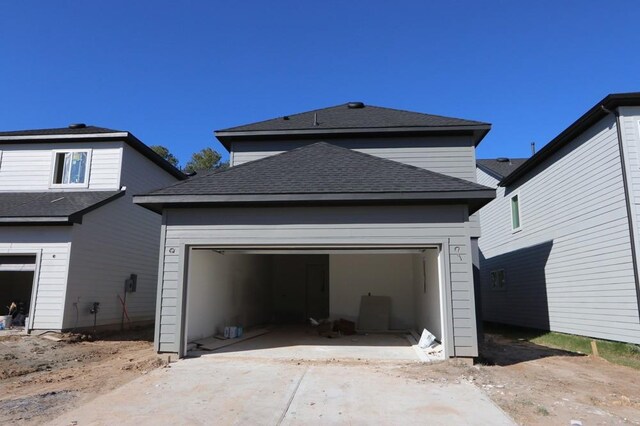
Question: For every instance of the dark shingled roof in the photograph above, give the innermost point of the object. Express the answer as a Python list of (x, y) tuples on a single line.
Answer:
[(343, 117), (341, 121), (61, 131), (52, 206), (500, 169), (320, 172)]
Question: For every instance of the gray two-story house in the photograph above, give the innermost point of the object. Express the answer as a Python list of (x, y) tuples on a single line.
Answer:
[(70, 237), (317, 210), (559, 245)]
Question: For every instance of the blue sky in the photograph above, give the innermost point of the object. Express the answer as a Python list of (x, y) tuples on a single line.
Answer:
[(172, 72)]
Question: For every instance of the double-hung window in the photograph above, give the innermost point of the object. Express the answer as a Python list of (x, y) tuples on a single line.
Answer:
[(71, 168)]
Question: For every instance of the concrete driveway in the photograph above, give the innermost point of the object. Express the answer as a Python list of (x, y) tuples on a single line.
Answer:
[(224, 390)]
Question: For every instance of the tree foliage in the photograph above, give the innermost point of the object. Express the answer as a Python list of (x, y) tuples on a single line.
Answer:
[(164, 153), (206, 159)]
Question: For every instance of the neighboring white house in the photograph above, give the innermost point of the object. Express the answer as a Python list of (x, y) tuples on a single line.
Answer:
[(317, 210), (69, 233), (559, 245)]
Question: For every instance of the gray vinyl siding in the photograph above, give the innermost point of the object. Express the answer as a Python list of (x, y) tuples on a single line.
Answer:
[(53, 244), (569, 269), (28, 167), (450, 155), (630, 126), (320, 226), (112, 242), (483, 178)]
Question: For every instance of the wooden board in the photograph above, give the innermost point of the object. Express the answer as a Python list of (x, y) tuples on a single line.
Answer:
[(214, 343), (374, 313)]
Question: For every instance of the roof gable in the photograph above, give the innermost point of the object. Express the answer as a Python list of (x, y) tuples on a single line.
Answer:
[(319, 172), (320, 168)]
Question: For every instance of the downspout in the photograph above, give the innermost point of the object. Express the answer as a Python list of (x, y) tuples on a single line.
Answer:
[(627, 198)]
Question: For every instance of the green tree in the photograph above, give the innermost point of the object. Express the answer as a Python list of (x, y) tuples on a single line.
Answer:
[(164, 153), (206, 159)]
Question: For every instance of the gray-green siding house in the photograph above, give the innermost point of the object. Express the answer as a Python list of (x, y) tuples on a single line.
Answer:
[(317, 210), (559, 245)]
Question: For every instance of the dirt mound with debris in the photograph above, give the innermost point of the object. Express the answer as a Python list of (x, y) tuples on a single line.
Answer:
[(44, 376)]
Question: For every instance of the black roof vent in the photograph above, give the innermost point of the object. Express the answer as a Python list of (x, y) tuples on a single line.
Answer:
[(355, 105), (502, 160), (77, 126)]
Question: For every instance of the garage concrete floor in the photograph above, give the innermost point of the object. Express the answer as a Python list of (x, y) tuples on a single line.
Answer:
[(302, 342), (227, 391)]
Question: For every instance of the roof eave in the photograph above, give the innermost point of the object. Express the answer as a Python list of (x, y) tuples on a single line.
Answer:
[(70, 219), (473, 197), (588, 119), (39, 220), (225, 136)]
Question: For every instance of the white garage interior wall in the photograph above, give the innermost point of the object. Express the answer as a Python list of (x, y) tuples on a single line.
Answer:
[(236, 288)]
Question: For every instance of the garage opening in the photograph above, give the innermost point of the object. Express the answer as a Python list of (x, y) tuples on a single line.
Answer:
[(16, 287), (290, 303)]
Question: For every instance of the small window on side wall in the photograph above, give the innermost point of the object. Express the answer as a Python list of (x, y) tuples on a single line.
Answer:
[(498, 280), (70, 168), (515, 213)]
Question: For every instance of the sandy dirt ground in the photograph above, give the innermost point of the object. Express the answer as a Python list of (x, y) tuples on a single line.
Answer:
[(41, 379), (535, 385)]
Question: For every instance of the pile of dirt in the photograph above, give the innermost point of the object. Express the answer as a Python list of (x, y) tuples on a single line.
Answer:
[(42, 378)]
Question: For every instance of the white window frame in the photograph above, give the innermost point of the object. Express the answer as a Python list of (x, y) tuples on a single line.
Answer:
[(519, 228), (87, 171)]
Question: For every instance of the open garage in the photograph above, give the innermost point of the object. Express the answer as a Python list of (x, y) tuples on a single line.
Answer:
[(283, 288), (307, 234), (16, 287)]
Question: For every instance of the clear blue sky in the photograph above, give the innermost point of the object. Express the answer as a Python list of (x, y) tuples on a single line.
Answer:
[(172, 72)]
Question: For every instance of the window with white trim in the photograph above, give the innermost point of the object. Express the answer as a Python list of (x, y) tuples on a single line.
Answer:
[(515, 213), (71, 168)]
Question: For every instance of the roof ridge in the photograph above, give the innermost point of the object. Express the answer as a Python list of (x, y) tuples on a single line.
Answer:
[(279, 117), (475, 122)]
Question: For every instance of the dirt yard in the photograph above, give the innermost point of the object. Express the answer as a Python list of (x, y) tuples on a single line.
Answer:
[(41, 379), (535, 385)]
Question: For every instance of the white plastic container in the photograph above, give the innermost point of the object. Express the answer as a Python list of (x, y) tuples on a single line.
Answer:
[(5, 322)]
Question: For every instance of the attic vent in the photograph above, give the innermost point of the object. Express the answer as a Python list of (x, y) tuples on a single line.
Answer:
[(355, 105), (502, 160), (77, 126), (286, 117)]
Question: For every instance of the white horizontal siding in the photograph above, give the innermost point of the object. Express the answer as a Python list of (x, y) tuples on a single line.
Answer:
[(570, 266), (113, 242), (328, 226), (53, 244), (28, 167)]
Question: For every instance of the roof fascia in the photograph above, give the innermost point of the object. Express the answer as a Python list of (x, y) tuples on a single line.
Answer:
[(588, 119)]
